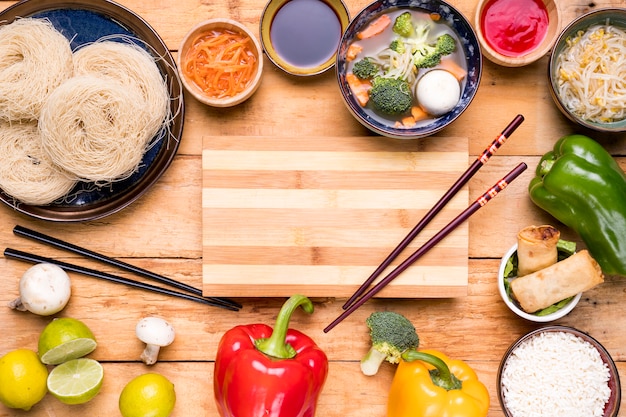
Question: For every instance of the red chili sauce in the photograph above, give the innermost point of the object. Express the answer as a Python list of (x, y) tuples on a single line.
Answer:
[(514, 27)]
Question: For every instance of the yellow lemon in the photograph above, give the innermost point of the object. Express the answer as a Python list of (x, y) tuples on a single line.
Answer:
[(22, 379), (148, 395), (64, 339)]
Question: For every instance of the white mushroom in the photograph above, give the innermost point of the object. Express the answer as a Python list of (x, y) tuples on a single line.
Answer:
[(45, 289), (155, 333)]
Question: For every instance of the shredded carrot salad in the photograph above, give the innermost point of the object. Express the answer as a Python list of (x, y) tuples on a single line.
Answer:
[(221, 63)]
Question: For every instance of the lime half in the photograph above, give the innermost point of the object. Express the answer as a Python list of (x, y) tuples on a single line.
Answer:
[(76, 381), (64, 339)]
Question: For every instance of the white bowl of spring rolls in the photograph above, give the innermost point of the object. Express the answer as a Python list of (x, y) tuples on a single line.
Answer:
[(542, 277)]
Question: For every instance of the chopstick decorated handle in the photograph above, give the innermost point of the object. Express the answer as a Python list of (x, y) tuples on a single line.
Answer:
[(61, 244), (463, 179), (32, 258), (471, 209)]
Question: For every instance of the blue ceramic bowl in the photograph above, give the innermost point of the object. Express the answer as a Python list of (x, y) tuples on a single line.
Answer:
[(471, 48)]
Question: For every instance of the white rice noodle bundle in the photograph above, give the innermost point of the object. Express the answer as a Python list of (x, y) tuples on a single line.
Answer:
[(26, 173), (134, 68), (95, 129), (35, 58)]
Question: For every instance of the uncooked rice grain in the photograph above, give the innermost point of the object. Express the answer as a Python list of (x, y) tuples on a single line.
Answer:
[(555, 374)]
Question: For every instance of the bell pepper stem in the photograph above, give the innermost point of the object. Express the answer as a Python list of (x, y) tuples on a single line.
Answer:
[(546, 166), (275, 345), (441, 375)]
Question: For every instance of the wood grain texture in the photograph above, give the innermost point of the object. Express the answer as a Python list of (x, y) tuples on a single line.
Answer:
[(317, 215), (162, 232)]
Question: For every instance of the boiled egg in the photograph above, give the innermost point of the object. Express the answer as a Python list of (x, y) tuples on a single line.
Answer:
[(438, 92)]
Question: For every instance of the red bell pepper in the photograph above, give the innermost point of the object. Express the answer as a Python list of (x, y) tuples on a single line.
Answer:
[(265, 372)]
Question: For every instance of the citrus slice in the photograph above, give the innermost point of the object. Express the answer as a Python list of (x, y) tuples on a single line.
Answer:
[(76, 381), (22, 379), (64, 339), (148, 395)]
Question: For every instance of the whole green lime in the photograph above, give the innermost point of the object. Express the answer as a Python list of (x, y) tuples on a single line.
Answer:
[(22, 379), (64, 339), (148, 395)]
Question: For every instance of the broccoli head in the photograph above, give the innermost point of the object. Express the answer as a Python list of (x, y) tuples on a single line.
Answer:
[(391, 95), (403, 25), (445, 44), (365, 69), (429, 55), (398, 46), (391, 334), (426, 57)]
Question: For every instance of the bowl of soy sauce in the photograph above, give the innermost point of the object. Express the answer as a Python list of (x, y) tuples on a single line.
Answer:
[(301, 37)]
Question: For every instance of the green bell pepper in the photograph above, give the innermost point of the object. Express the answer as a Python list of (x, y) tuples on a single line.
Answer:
[(581, 185)]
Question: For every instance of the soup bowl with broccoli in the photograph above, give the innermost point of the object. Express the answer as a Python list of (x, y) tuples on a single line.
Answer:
[(407, 69)]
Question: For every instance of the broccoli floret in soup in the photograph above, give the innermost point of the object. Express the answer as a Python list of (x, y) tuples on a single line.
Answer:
[(365, 69), (391, 95), (403, 25)]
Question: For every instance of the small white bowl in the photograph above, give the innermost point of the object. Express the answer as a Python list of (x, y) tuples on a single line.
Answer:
[(514, 307)]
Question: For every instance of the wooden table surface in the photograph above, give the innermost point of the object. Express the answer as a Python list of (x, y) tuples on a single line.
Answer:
[(162, 232)]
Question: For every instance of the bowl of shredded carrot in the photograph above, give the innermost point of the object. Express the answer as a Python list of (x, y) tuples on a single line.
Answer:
[(220, 62)]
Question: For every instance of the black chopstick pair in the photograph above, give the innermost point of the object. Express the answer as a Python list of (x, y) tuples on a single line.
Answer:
[(361, 296), (195, 294)]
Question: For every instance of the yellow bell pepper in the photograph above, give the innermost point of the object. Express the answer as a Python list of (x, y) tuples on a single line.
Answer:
[(429, 384)]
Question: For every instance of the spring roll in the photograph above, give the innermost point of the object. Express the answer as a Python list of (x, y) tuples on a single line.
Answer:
[(536, 291), (536, 248)]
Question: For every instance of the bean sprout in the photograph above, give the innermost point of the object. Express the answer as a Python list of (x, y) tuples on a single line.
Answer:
[(591, 74)]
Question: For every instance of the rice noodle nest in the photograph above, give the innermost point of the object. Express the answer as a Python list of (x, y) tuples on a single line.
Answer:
[(27, 173), (126, 63), (35, 58), (95, 129)]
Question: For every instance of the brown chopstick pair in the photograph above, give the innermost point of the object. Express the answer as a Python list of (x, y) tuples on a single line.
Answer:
[(361, 296), (190, 292)]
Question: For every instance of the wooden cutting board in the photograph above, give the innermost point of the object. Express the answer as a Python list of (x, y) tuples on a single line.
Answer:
[(317, 215)]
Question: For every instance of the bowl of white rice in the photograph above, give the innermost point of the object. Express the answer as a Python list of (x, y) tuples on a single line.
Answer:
[(558, 371)]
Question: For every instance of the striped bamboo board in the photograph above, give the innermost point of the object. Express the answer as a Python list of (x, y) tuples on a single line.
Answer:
[(317, 215)]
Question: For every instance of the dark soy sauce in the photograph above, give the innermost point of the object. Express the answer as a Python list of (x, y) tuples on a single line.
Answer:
[(305, 33)]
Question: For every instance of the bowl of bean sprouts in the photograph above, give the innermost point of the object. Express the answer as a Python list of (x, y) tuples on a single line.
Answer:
[(587, 70)]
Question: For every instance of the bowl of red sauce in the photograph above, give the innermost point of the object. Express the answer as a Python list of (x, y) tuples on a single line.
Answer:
[(513, 33)]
